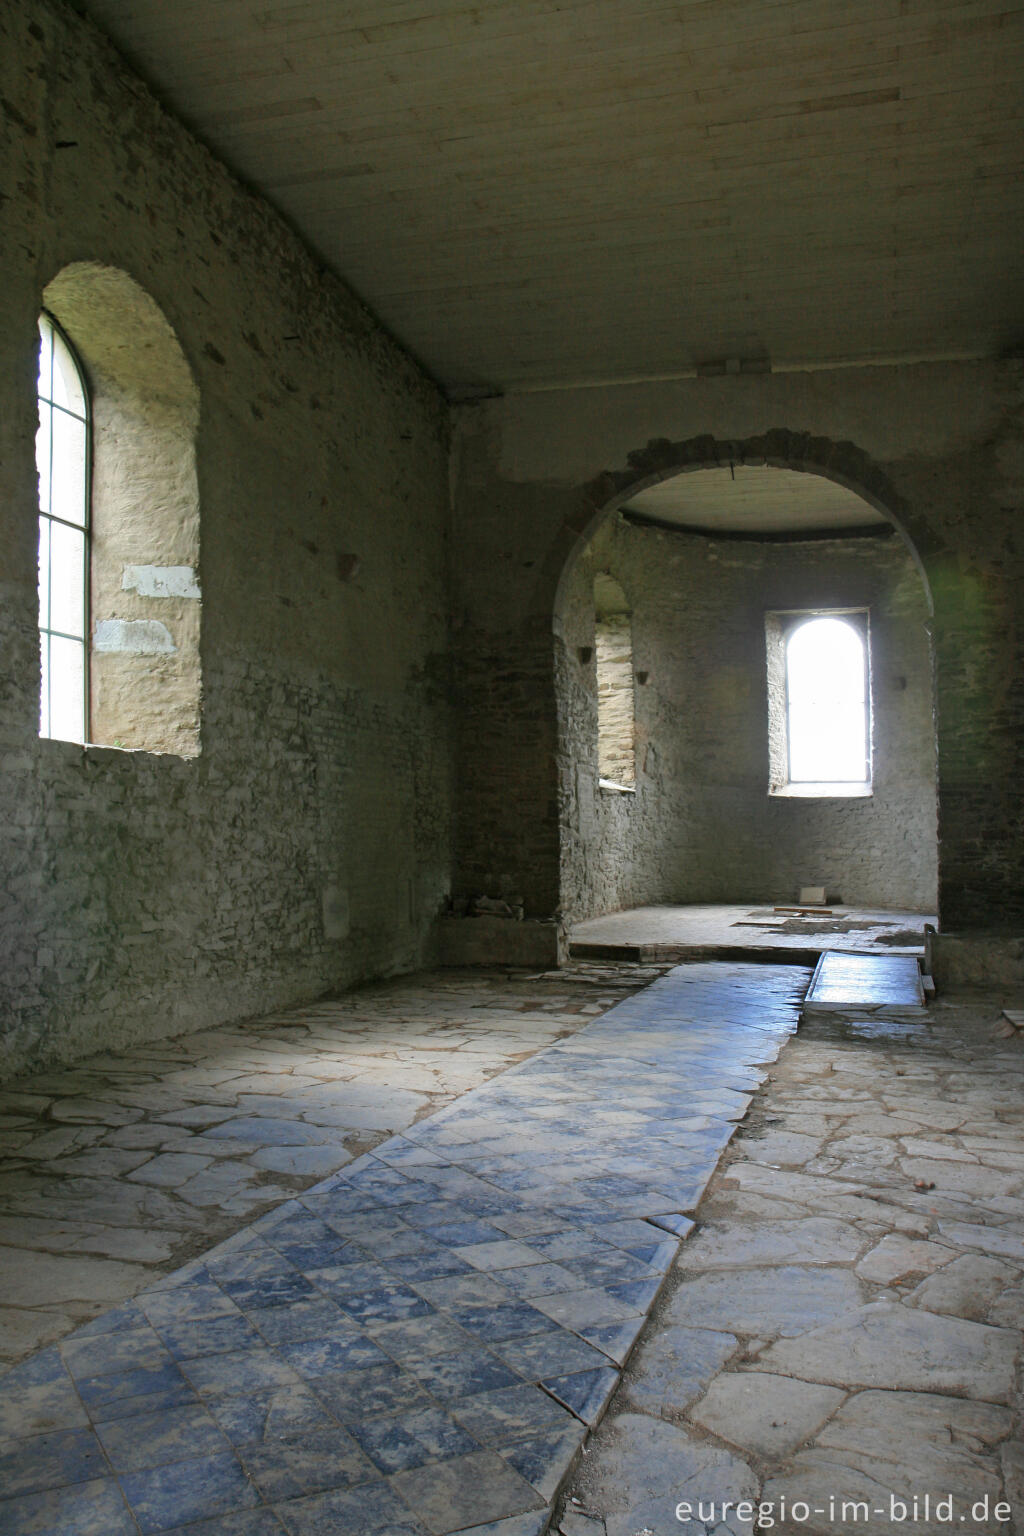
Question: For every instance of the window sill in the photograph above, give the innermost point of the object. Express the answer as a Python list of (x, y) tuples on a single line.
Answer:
[(821, 791), (616, 789), (106, 752)]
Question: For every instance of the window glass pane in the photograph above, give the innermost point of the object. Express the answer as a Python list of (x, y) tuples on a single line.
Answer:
[(68, 489), (67, 689), (826, 746), (45, 357), (61, 460), (44, 685), (825, 685), (67, 386), (67, 579), (44, 572), (43, 457)]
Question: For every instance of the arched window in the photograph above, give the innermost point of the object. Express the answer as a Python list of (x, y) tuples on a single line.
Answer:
[(62, 458), (826, 703), (119, 518)]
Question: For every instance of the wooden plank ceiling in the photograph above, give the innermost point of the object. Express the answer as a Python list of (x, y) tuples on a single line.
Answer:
[(532, 193)]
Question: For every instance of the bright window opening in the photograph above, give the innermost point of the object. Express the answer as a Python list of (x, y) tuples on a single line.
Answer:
[(826, 702), (62, 460), (819, 704)]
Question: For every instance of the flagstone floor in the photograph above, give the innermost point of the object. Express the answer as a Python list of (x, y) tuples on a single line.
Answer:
[(120, 1168), (838, 1347), (497, 1316), (417, 1344)]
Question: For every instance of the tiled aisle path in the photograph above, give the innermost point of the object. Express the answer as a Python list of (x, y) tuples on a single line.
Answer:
[(417, 1344)]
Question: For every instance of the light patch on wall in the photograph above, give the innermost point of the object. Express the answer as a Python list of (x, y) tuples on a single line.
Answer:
[(160, 581), (135, 637), (335, 911)]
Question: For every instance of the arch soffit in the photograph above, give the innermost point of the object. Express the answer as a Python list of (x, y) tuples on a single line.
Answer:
[(780, 448), (121, 328)]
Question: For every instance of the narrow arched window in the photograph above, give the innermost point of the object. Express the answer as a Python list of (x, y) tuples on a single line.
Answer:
[(616, 730), (62, 459), (827, 703)]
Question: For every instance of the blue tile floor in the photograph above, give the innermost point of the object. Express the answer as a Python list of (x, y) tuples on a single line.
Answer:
[(417, 1345)]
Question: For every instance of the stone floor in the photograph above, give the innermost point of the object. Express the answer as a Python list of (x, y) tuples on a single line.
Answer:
[(418, 1344), (711, 932), (121, 1168), (844, 1327)]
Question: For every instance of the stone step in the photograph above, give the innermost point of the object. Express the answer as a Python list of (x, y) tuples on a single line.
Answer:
[(687, 954), (845, 981)]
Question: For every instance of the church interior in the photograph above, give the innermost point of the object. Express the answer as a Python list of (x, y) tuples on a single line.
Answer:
[(452, 460)]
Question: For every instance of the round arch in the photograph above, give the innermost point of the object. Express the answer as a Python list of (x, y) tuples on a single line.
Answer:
[(843, 462), (585, 829)]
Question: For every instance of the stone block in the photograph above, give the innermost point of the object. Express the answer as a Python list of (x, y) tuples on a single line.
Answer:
[(486, 940), (885, 1344), (764, 1414), (976, 960)]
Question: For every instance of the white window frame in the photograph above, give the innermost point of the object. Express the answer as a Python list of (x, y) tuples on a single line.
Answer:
[(50, 330)]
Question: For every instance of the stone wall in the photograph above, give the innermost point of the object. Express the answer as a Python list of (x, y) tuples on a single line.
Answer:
[(702, 825), (938, 446), (308, 842)]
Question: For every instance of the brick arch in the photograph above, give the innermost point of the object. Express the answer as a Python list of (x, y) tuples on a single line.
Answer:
[(779, 448)]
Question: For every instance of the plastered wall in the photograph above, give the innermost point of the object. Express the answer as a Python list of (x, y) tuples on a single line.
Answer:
[(939, 446), (701, 825), (308, 843)]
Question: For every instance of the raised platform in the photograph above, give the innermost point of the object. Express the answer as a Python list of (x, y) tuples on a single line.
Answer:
[(752, 932)]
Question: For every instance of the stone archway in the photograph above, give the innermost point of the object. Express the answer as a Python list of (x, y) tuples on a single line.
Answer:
[(899, 808), (779, 448)]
